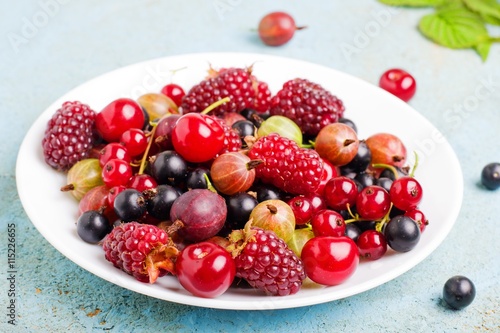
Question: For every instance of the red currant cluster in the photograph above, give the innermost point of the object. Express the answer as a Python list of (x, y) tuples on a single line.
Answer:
[(207, 188)]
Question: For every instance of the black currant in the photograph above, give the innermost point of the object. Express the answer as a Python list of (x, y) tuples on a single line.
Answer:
[(388, 173), (352, 231), (92, 226), (130, 205), (490, 176), (384, 182), (402, 233), (196, 178), (459, 292), (364, 179), (169, 168), (268, 192), (239, 207), (160, 201), (360, 161), (244, 128), (349, 123)]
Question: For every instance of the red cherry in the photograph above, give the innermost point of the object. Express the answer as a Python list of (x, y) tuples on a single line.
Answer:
[(399, 83), (328, 223), (135, 141), (372, 245), (205, 269), (197, 137), (117, 117), (330, 260), (175, 92)]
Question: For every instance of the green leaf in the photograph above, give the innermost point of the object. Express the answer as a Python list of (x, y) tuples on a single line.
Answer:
[(490, 8), (490, 19), (454, 27), (414, 3), (483, 49)]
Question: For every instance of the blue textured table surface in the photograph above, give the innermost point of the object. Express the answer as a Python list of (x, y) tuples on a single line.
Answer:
[(50, 46)]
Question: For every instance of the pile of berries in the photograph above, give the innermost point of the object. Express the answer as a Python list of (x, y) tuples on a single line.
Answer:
[(220, 185)]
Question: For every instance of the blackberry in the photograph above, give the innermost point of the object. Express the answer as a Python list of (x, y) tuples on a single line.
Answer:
[(141, 250), (69, 135), (234, 83), (287, 166), (308, 104), (266, 262)]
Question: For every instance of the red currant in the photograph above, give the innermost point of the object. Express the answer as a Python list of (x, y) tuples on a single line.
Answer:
[(373, 202), (329, 172), (112, 151), (328, 223), (340, 192), (330, 260), (142, 182), (135, 141), (372, 245), (419, 217), (406, 193), (116, 172), (399, 83), (174, 92), (113, 192), (302, 208), (197, 138), (117, 117), (205, 269)]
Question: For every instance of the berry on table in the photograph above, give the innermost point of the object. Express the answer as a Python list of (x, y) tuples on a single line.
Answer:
[(69, 135), (459, 292), (399, 83), (490, 176), (277, 28)]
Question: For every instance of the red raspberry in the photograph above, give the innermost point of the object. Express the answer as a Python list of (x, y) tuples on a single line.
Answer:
[(69, 135), (287, 166), (266, 262), (262, 101), (232, 141), (234, 83), (141, 250), (308, 104)]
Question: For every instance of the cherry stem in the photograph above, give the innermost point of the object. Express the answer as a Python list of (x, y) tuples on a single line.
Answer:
[(216, 104), (387, 166), (146, 152)]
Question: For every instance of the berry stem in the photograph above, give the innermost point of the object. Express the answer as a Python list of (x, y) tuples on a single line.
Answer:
[(216, 104), (387, 166), (380, 224), (412, 173), (146, 152), (210, 187)]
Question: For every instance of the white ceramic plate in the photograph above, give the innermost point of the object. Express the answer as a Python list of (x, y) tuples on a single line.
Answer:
[(54, 213)]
